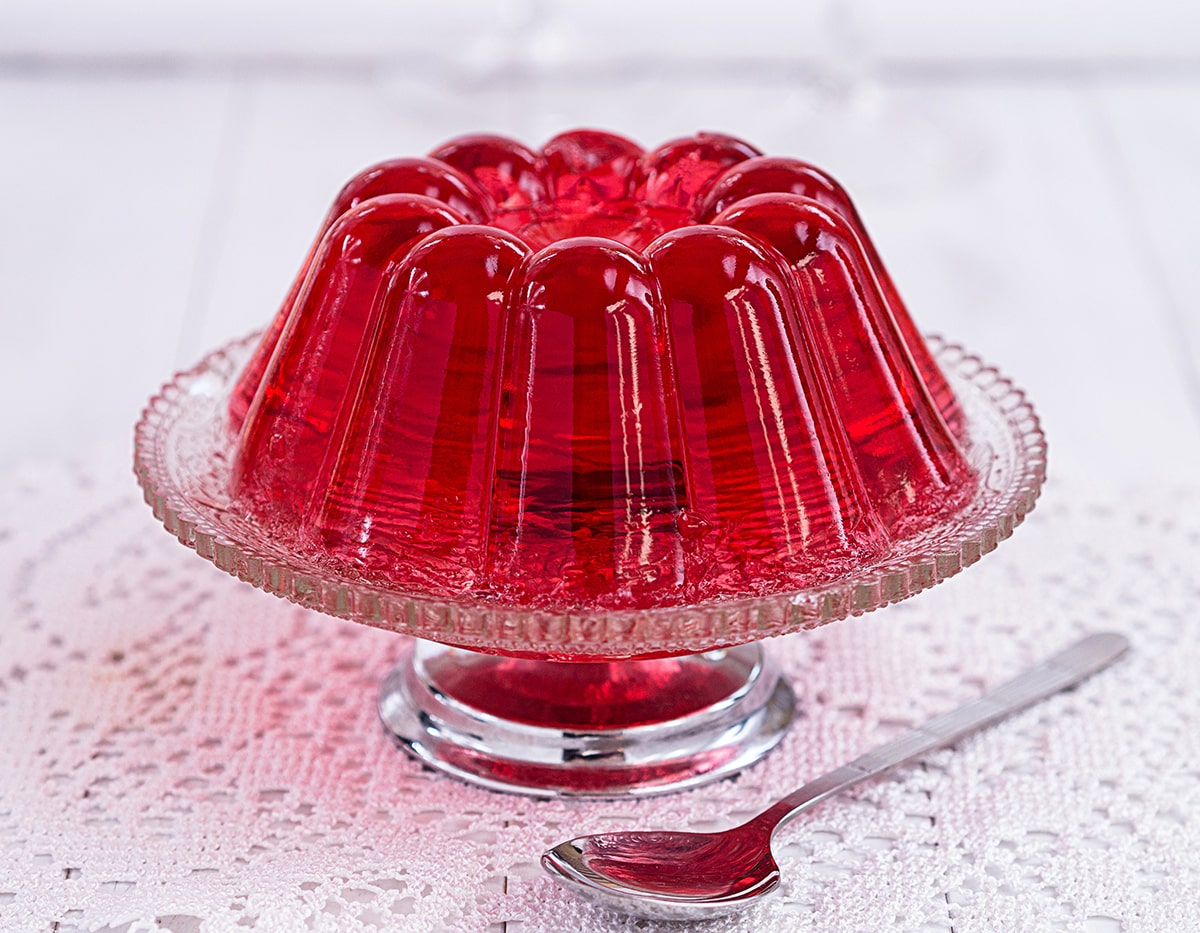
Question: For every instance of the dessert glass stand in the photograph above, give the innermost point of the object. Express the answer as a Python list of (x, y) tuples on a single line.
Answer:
[(607, 704)]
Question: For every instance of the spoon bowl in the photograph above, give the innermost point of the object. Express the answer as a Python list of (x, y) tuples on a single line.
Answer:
[(697, 876), (677, 876)]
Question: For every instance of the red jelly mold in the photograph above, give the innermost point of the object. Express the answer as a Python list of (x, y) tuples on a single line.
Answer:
[(594, 377)]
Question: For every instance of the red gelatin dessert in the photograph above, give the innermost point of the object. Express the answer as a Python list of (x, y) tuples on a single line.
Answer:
[(595, 377)]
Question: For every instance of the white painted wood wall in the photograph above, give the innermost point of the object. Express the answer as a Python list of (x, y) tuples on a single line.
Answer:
[(1030, 171)]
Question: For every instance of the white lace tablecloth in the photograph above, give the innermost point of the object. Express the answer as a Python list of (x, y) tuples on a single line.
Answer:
[(181, 752)]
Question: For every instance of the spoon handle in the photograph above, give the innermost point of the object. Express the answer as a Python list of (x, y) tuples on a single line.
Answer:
[(1063, 670)]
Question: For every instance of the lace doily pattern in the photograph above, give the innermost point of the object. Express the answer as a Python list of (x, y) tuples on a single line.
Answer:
[(182, 752)]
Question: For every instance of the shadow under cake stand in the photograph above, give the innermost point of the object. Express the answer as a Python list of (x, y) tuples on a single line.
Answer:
[(652, 700)]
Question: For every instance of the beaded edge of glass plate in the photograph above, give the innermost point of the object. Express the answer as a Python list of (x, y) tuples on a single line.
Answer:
[(185, 421)]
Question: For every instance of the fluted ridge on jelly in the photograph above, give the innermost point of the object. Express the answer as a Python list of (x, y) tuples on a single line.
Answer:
[(428, 387), (294, 418), (906, 451), (769, 469), (586, 485)]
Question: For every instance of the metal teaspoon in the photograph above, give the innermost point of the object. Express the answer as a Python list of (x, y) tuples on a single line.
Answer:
[(697, 876)]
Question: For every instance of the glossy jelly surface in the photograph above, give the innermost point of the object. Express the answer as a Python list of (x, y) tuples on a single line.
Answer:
[(595, 377)]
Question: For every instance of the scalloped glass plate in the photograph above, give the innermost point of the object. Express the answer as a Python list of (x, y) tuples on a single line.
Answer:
[(183, 455)]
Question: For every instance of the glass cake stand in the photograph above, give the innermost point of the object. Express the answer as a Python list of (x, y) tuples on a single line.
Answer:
[(611, 703)]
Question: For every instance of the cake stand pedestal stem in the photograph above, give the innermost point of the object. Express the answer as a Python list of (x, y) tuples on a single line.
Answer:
[(586, 729)]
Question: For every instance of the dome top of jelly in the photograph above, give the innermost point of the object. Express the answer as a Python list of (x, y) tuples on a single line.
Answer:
[(595, 377), (582, 183)]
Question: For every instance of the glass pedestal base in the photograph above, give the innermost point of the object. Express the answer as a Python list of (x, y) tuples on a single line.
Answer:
[(586, 729)]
